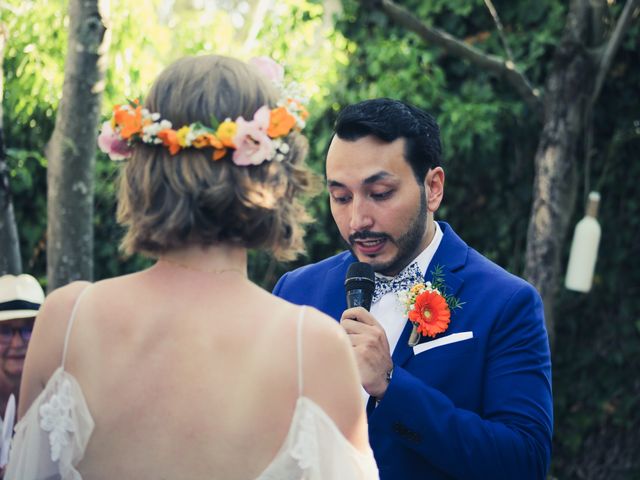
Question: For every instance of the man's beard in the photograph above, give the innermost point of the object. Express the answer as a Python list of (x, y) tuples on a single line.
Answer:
[(407, 244)]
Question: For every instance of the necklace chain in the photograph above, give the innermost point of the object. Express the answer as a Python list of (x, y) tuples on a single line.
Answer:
[(213, 271)]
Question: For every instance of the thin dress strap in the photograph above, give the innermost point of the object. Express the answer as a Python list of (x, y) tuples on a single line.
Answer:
[(71, 320), (300, 319)]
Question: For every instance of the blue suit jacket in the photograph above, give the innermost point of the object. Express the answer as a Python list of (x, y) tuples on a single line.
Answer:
[(479, 408)]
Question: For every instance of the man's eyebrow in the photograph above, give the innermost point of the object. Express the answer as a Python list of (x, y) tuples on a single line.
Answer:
[(335, 184), (376, 177)]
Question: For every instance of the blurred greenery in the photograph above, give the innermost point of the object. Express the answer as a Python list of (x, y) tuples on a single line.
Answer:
[(489, 137)]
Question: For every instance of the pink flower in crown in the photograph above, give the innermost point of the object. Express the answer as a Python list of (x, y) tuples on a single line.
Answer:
[(253, 145), (111, 143), (269, 68)]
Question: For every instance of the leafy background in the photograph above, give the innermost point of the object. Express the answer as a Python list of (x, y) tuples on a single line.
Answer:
[(489, 140)]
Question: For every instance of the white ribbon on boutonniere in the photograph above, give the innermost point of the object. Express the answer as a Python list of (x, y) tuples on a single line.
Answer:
[(428, 307)]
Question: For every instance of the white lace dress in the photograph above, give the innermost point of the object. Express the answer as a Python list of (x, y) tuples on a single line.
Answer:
[(51, 438)]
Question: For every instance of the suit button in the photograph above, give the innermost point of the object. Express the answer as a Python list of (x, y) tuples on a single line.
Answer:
[(406, 432)]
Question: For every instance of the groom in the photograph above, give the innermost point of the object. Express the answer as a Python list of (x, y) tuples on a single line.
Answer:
[(472, 399)]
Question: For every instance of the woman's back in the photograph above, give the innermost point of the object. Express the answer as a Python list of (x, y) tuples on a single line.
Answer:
[(187, 369), (186, 375)]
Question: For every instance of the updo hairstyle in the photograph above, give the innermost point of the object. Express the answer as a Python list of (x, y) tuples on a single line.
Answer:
[(169, 201)]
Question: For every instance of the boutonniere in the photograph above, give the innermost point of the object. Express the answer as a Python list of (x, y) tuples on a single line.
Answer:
[(429, 307)]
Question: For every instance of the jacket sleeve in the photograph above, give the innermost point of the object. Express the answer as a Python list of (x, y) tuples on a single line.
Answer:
[(277, 290), (511, 436)]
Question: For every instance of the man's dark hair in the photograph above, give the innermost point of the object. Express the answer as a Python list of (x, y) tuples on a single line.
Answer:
[(389, 119)]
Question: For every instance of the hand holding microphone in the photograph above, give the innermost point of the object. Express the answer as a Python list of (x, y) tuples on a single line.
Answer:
[(367, 336)]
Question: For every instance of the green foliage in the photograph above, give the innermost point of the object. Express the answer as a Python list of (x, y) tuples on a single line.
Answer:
[(36, 39), (489, 140), (144, 37), (33, 79), (438, 282)]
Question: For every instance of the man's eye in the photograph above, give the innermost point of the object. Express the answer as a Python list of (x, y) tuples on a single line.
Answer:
[(341, 199), (381, 195)]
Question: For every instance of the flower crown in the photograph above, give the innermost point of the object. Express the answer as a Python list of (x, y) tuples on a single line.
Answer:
[(252, 142)]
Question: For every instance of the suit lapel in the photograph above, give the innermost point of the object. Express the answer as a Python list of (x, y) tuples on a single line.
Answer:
[(450, 256)]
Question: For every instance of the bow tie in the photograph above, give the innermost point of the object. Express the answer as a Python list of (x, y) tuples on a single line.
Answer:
[(406, 279)]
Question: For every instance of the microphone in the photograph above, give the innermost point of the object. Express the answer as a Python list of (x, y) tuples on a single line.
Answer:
[(359, 285)]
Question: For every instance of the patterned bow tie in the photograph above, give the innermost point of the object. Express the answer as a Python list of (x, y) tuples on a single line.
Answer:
[(403, 281)]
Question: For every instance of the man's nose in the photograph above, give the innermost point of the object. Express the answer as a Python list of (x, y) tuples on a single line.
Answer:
[(16, 340), (361, 218)]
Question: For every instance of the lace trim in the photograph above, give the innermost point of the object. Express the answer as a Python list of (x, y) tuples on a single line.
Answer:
[(305, 449), (55, 418)]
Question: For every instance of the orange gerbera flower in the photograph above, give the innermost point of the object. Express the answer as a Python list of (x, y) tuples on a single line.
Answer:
[(129, 121), (280, 122), (430, 313), (170, 139)]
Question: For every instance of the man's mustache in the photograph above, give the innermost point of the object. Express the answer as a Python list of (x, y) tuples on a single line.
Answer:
[(367, 235)]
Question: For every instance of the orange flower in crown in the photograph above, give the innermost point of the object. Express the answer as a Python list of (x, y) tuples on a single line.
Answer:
[(281, 122), (129, 119), (170, 139), (253, 141)]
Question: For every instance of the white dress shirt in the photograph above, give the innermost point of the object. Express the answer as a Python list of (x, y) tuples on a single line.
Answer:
[(388, 310)]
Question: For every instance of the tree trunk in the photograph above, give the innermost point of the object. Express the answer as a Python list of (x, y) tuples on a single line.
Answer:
[(568, 93), (71, 149), (10, 261)]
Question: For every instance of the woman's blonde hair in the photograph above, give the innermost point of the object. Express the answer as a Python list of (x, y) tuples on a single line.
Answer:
[(170, 201)]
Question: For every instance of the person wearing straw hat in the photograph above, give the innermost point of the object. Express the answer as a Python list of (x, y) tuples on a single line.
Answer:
[(20, 299)]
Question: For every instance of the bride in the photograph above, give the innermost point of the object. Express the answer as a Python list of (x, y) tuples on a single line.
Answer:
[(188, 369)]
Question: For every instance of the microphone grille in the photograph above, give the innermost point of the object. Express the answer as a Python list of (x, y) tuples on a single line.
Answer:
[(360, 275)]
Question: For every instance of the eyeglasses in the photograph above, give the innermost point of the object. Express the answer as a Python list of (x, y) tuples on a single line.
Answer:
[(7, 332)]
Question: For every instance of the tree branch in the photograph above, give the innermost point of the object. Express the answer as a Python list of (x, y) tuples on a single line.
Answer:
[(456, 47), (612, 46), (496, 20)]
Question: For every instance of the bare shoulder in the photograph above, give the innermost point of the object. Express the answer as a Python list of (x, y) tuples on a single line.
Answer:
[(44, 355), (331, 377), (51, 323), (61, 301), (323, 327), (329, 360), (326, 346)]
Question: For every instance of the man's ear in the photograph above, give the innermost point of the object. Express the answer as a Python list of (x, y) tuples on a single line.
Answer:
[(434, 188)]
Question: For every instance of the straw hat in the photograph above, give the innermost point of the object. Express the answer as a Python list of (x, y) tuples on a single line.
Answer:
[(20, 296)]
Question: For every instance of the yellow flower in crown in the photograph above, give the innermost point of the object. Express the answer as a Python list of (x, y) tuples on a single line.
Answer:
[(225, 133), (184, 136)]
